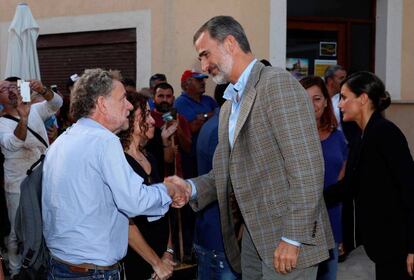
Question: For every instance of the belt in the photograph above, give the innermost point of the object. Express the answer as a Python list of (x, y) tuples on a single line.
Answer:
[(85, 267)]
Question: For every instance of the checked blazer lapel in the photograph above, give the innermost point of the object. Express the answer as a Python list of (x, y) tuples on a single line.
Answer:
[(248, 98)]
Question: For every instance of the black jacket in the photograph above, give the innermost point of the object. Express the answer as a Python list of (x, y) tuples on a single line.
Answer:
[(380, 177)]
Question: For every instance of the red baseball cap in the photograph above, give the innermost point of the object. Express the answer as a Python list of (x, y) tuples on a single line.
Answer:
[(188, 74)]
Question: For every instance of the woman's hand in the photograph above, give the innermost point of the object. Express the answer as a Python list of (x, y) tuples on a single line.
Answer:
[(168, 129)]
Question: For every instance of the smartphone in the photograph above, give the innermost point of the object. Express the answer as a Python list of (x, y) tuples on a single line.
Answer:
[(24, 90), (54, 88)]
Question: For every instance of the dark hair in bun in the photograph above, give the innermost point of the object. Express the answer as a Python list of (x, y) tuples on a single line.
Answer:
[(369, 83)]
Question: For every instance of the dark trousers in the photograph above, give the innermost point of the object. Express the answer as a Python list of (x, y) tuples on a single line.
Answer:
[(392, 271)]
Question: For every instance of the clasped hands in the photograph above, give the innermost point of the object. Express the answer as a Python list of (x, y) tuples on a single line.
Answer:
[(179, 190)]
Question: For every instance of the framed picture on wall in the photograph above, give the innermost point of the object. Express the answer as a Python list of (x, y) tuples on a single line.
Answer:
[(298, 67), (327, 48), (320, 66)]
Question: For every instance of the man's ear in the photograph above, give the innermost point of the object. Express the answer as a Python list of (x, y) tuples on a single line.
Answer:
[(101, 105), (230, 43)]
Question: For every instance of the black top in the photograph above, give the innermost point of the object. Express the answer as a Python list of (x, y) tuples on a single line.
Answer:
[(155, 233), (380, 177)]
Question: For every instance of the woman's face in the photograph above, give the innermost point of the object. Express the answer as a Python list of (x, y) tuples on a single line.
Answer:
[(149, 134), (318, 100), (350, 105)]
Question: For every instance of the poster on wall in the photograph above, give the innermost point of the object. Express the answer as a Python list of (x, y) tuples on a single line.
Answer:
[(320, 66), (298, 67), (327, 48)]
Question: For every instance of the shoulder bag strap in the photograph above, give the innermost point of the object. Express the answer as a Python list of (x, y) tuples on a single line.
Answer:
[(35, 134)]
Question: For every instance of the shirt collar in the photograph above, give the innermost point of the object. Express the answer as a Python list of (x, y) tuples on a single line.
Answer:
[(234, 92)]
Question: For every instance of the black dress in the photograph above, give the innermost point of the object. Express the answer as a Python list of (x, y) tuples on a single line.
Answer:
[(155, 233)]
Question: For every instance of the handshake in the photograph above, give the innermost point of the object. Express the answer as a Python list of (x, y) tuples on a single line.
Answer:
[(179, 190)]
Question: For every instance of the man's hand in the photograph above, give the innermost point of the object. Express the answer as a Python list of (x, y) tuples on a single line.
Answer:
[(52, 133), (37, 86), (410, 264), (285, 257), (164, 269), (23, 108), (179, 190)]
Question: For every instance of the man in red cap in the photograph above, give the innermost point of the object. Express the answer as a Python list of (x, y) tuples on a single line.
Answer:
[(196, 108)]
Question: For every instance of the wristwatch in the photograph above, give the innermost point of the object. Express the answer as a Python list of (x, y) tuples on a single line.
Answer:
[(205, 116)]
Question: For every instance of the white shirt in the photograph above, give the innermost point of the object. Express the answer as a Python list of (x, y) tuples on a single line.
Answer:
[(19, 155)]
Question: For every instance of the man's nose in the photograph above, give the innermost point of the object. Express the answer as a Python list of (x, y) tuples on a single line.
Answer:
[(129, 106), (204, 65)]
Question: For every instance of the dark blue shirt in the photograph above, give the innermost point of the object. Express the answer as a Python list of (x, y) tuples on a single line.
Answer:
[(335, 153), (208, 227)]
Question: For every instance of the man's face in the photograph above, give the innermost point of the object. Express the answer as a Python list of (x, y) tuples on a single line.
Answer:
[(8, 93), (163, 99), (214, 58), (339, 76), (195, 86), (118, 108)]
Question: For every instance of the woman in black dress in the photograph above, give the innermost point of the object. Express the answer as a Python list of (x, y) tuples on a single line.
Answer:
[(380, 177), (150, 245)]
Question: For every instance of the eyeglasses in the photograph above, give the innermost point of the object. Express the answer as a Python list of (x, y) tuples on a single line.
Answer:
[(7, 89)]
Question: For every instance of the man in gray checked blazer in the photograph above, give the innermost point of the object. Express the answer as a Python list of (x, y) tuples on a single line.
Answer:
[(268, 158)]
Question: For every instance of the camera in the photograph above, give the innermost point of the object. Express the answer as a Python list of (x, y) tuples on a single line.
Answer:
[(169, 116)]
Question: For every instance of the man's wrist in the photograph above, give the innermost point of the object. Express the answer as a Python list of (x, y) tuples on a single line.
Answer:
[(44, 91), (23, 120)]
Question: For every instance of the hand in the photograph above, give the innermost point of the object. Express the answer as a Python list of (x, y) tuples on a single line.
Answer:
[(37, 86), (179, 190), (23, 108), (164, 269), (410, 264), (52, 133), (285, 257), (168, 129)]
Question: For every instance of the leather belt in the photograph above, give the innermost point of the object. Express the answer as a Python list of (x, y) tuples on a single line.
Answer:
[(85, 267)]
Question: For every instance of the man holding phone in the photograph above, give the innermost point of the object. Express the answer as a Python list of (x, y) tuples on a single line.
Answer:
[(23, 138)]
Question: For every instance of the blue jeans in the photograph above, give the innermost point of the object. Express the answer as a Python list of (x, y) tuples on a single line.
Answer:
[(327, 269), (213, 265), (58, 270)]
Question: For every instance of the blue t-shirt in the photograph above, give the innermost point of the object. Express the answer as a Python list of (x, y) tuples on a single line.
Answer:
[(208, 229), (335, 153), (190, 108)]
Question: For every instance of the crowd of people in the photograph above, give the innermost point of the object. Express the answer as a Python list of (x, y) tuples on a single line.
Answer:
[(255, 183)]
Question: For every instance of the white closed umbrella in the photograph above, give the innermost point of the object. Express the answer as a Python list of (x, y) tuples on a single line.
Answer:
[(22, 60)]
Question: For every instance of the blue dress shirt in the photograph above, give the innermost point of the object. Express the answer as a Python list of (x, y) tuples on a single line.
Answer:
[(89, 191)]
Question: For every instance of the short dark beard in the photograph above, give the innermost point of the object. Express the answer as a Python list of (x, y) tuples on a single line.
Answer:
[(163, 107)]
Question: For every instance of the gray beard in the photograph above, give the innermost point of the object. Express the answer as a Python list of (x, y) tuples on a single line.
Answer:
[(220, 79)]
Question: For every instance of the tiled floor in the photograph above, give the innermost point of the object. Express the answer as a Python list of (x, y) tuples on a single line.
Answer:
[(356, 267)]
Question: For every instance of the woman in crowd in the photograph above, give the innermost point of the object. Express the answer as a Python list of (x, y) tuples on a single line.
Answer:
[(380, 177), (149, 242), (335, 152)]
